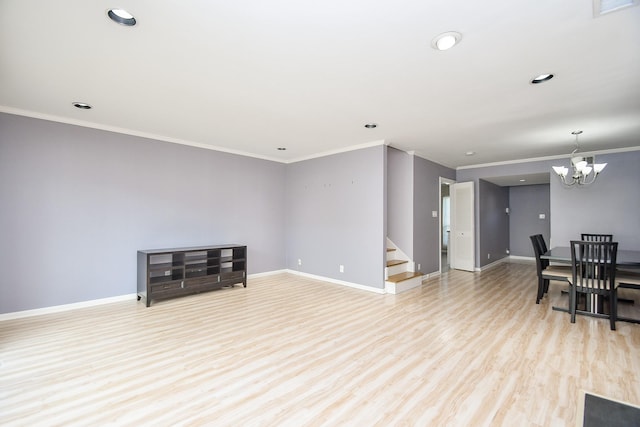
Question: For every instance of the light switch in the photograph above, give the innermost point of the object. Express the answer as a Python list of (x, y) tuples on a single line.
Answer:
[(542, 216), (434, 214)]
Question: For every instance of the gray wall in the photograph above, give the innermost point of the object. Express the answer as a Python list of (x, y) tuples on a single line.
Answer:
[(475, 174), (612, 204), (400, 186), (336, 216), (526, 203), (494, 222), (77, 204), (426, 228)]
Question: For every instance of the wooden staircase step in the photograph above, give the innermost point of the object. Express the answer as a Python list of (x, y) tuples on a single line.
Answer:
[(392, 262), (401, 277), (391, 249)]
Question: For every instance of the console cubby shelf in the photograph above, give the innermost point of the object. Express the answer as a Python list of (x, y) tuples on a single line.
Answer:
[(169, 273)]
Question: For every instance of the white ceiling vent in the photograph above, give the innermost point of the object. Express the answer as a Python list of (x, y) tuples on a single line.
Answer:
[(601, 7)]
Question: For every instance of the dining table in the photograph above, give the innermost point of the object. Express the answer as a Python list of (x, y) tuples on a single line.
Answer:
[(625, 259)]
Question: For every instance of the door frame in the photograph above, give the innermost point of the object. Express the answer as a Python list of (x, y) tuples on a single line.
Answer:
[(442, 181)]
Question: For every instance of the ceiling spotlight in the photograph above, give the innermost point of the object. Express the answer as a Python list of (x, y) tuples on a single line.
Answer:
[(282, 148), (469, 153), (446, 40), (82, 105), (122, 17), (541, 78), (371, 125)]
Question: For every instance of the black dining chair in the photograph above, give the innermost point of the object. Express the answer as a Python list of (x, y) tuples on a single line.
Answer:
[(545, 271), (594, 274), (596, 237), (542, 243)]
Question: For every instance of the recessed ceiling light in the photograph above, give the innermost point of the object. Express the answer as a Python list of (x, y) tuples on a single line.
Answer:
[(371, 125), (446, 40), (282, 148), (82, 105), (469, 153), (523, 180), (121, 16), (541, 78)]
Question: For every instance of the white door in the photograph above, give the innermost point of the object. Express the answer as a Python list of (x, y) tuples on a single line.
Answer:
[(462, 241)]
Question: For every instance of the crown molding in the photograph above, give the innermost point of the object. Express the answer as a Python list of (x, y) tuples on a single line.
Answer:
[(338, 151), (541, 159), (162, 138), (152, 136), (125, 131)]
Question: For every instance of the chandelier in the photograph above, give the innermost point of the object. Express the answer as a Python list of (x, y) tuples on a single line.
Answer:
[(584, 172)]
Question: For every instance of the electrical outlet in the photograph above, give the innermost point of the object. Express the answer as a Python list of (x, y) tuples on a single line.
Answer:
[(341, 268), (507, 251), (299, 261), (418, 266), (488, 256)]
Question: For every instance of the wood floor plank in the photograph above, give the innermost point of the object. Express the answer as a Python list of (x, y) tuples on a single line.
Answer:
[(463, 349)]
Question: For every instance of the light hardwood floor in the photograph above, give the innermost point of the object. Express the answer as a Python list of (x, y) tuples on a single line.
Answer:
[(463, 350)]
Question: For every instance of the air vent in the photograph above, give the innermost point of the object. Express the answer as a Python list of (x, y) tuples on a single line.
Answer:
[(601, 7)]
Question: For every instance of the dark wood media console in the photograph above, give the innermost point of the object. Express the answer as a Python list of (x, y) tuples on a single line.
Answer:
[(170, 273)]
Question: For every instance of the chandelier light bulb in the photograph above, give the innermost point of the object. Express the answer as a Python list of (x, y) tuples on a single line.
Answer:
[(597, 168), (581, 165)]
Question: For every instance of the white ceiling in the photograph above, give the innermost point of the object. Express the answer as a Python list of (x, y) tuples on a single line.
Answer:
[(249, 76)]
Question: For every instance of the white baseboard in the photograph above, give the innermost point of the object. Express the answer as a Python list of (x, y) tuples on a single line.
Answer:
[(493, 264), (266, 273), (510, 258), (430, 275), (66, 307), (521, 258), (129, 297), (101, 301), (338, 282)]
